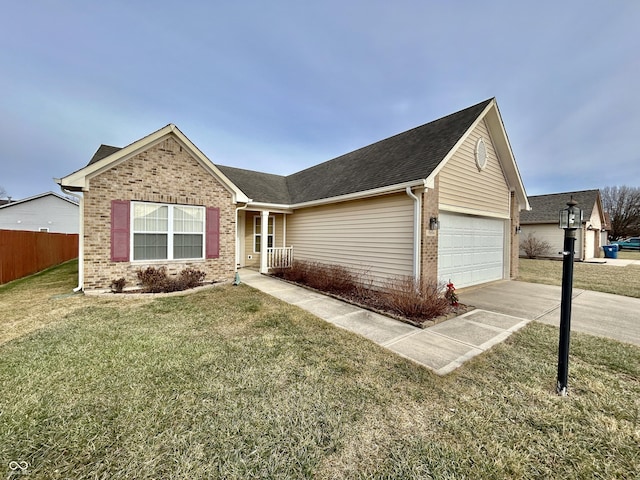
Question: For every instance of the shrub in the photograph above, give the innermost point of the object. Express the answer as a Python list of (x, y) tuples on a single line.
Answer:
[(190, 278), (118, 285), (534, 247), (330, 278), (156, 280), (415, 300)]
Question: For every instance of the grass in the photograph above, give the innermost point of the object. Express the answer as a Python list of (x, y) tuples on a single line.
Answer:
[(588, 276), (231, 383)]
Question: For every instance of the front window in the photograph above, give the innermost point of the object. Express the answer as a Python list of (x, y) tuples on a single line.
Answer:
[(167, 232), (257, 233)]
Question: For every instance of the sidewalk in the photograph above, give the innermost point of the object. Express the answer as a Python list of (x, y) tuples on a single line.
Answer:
[(442, 348)]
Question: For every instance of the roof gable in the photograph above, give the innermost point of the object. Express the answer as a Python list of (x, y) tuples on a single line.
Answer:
[(407, 156), (546, 208), (13, 203), (106, 157)]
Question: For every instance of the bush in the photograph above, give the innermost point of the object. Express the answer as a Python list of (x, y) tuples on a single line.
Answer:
[(534, 247), (329, 278), (156, 280), (118, 285), (415, 300), (401, 296)]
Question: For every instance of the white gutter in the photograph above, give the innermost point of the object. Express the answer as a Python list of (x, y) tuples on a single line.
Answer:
[(417, 233), (399, 187), (80, 198)]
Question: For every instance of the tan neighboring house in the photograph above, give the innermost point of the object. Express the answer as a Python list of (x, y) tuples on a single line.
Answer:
[(543, 218), (438, 202)]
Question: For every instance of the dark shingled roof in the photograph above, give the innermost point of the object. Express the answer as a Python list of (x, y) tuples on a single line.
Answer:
[(405, 157), (103, 152), (546, 208), (260, 187)]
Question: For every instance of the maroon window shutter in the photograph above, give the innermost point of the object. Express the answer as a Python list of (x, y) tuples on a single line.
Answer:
[(120, 239), (213, 232)]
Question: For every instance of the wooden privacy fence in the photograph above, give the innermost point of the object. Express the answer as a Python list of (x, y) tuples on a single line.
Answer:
[(23, 253)]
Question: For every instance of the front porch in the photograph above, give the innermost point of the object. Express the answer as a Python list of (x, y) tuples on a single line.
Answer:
[(253, 239)]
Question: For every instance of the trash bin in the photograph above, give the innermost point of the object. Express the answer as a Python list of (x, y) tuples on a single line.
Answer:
[(610, 251)]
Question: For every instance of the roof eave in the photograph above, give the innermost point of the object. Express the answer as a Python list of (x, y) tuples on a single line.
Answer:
[(400, 187)]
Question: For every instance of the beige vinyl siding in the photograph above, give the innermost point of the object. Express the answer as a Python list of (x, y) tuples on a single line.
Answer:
[(373, 235), (463, 186)]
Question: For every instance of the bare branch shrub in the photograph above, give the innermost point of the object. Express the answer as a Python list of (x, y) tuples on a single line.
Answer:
[(330, 278), (118, 284), (534, 247), (156, 280), (415, 300)]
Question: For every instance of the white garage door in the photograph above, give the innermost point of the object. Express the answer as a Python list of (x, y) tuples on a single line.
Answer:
[(470, 249)]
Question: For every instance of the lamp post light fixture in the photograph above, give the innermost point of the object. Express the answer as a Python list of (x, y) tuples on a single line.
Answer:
[(570, 221)]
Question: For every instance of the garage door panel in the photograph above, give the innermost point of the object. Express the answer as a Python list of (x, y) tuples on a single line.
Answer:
[(470, 249)]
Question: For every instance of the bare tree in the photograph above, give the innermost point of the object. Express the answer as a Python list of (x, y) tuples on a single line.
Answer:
[(3, 192), (534, 247), (623, 205)]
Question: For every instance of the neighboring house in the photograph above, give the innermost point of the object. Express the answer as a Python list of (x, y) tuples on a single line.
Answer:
[(438, 202), (543, 219), (46, 212)]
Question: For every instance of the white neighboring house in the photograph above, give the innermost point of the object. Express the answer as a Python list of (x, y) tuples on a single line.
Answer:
[(46, 212), (543, 218)]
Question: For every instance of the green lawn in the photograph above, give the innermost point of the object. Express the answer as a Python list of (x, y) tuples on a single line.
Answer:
[(587, 276), (231, 383)]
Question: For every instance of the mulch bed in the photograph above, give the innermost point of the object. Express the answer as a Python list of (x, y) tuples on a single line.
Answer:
[(373, 304)]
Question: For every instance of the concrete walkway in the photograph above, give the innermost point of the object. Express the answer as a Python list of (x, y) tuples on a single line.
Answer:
[(442, 348)]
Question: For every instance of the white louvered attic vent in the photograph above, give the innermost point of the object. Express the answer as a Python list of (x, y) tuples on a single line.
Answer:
[(481, 154)]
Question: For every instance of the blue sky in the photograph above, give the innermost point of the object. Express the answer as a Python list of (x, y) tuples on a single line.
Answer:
[(282, 85)]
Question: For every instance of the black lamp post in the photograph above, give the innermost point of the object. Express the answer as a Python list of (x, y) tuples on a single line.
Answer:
[(570, 221)]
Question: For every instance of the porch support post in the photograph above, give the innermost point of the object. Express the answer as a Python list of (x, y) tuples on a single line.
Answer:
[(264, 236)]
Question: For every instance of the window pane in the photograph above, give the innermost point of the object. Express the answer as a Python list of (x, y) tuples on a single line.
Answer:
[(187, 246), (149, 246), (150, 218), (188, 219), (256, 244), (271, 225), (257, 225), (270, 241)]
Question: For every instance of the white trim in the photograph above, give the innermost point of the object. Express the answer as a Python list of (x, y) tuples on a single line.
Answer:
[(272, 207), (264, 243), (471, 211), (417, 233), (79, 179), (272, 220), (400, 187), (170, 232)]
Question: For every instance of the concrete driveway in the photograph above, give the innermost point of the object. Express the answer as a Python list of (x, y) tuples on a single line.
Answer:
[(596, 313)]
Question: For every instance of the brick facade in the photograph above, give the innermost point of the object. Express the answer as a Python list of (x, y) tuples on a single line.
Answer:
[(164, 173), (429, 247)]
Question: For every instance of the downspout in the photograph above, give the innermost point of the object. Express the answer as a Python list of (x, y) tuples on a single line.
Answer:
[(80, 198), (237, 256), (417, 232)]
